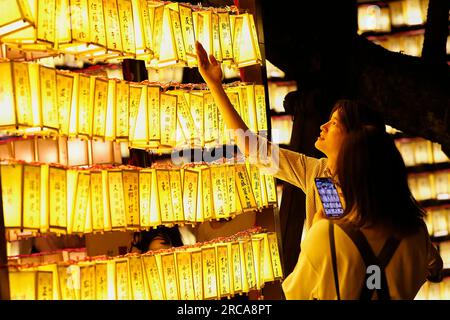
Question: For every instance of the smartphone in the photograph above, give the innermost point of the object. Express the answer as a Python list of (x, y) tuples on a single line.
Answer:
[(329, 197)]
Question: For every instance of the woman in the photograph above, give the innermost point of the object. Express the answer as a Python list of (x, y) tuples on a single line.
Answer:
[(156, 239), (293, 167), (382, 228)]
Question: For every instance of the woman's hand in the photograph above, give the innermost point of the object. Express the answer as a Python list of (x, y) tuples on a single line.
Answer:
[(209, 68)]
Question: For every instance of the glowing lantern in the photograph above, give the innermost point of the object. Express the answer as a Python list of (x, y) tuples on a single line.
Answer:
[(413, 12), (31, 197), (122, 107), (223, 270), (184, 271), (101, 280), (22, 285), (169, 276), (145, 192), (164, 194), (154, 277), (85, 97), (102, 152), (245, 41), (275, 255), (64, 87), (202, 26), (156, 15), (116, 200), (24, 150), (138, 286), (258, 254), (100, 108), (249, 263), (184, 117), (113, 29), (197, 272), (210, 285), (110, 127), (138, 115), (97, 202), (219, 191), (78, 154), (190, 194), (11, 177), (87, 278), (125, 10), (18, 16), (244, 187), (142, 29), (82, 206), (236, 267), (131, 196), (226, 40), (8, 111), (57, 204), (168, 105), (154, 115)]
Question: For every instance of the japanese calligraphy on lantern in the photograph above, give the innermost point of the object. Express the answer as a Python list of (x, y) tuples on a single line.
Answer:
[(209, 273), (236, 266), (64, 89), (22, 94), (45, 285), (122, 283), (137, 279), (170, 276), (116, 199), (97, 22), (145, 190), (165, 198), (207, 196), (176, 195), (197, 270), (218, 192), (190, 193), (275, 255), (126, 26), (31, 197), (46, 20), (100, 105), (49, 105), (153, 277), (223, 268), (184, 270), (87, 282), (11, 176), (97, 204), (82, 200), (57, 198), (131, 195), (225, 36), (154, 124), (84, 103), (244, 188), (101, 281), (168, 119)]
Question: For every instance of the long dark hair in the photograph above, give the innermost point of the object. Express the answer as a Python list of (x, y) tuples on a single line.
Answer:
[(374, 183), (143, 239), (355, 114)]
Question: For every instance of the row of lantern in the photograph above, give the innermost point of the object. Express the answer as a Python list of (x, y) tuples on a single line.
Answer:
[(430, 185), (162, 33), (418, 151), (37, 99), (206, 271), (63, 151), (435, 290), (372, 17), (410, 44), (46, 198)]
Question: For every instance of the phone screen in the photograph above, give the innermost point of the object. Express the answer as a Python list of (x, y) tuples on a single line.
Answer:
[(329, 196)]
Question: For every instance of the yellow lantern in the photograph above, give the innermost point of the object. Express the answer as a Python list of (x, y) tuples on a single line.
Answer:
[(66, 285), (203, 29), (24, 150), (22, 285), (249, 263), (236, 267), (145, 191), (45, 286), (275, 255), (100, 108), (87, 279), (57, 192), (190, 194), (211, 290), (244, 188), (102, 152), (245, 41), (138, 115), (110, 127), (226, 41), (205, 211), (7, 97), (17, 16), (77, 152), (64, 89), (31, 197), (101, 280), (164, 195), (125, 10), (215, 37), (122, 107), (138, 286), (197, 272), (97, 203), (142, 29), (116, 200), (223, 270), (112, 25), (184, 117), (413, 12), (49, 106), (168, 105), (196, 104), (85, 97), (169, 276), (11, 177), (154, 277), (219, 192), (131, 196), (211, 121), (184, 271), (156, 15), (81, 210), (154, 115)]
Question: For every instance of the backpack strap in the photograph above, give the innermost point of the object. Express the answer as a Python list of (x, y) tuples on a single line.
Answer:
[(369, 258), (334, 259)]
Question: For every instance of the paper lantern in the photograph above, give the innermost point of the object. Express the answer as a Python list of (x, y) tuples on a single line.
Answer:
[(245, 41), (97, 202), (164, 195), (413, 12), (169, 276), (223, 270), (82, 201), (18, 16), (64, 87), (110, 127), (440, 224), (78, 153), (57, 204), (125, 10), (100, 107), (210, 285), (12, 195), (145, 192), (219, 191), (185, 118), (22, 285), (142, 29), (138, 285), (442, 184), (168, 105), (85, 96), (102, 152), (226, 40), (154, 115), (24, 150), (190, 194), (131, 197), (138, 115), (275, 255), (122, 107), (116, 200), (31, 197), (423, 152), (184, 272), (154, 277)]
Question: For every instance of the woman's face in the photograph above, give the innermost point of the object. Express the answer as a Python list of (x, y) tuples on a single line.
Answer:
[(332, 135), (159, 242)]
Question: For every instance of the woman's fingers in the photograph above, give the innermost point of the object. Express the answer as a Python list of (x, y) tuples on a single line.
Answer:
[(213, 60), (202, 56)]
